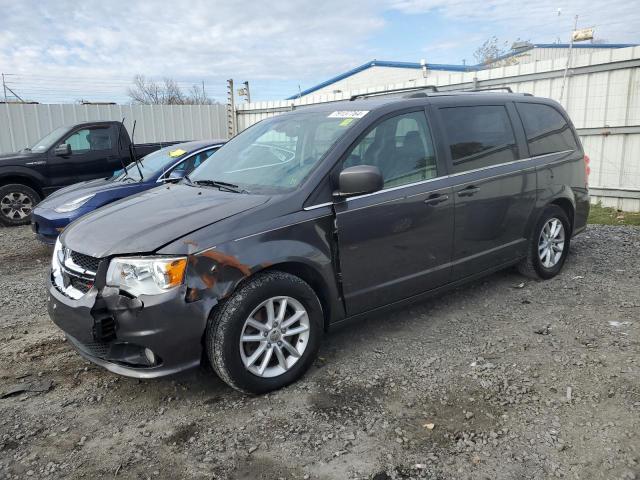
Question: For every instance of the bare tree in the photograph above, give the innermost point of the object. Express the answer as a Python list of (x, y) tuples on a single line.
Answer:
[(492, 49), (149, 92)]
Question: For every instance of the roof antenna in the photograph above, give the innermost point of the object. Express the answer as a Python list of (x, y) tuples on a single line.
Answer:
[(132, 150), (124, 166)]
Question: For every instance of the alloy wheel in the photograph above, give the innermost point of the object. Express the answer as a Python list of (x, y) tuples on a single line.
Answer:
[(551, 243), (16, 206), (274, 336)]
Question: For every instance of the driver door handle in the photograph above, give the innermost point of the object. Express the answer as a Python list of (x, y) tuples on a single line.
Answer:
[(436, 198)]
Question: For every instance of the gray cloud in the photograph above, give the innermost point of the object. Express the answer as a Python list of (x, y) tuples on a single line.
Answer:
[(97, 47)]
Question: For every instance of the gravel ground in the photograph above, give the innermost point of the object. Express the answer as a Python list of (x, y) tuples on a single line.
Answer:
[(502, 379)]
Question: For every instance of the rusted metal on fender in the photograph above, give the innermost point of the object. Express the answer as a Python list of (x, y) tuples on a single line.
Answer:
[(304, 246)]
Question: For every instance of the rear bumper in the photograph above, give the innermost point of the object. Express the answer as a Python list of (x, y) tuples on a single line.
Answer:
[(113, 331), (583, 206)]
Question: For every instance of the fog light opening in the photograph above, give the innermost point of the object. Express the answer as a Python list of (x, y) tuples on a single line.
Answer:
[(151, 357)]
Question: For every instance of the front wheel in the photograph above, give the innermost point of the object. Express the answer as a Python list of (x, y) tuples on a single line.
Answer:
[(549, 245), (16, 204), (267, 334)]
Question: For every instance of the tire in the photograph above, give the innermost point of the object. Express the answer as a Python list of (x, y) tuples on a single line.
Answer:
[(537, 264), (13, 195), (231, 358)]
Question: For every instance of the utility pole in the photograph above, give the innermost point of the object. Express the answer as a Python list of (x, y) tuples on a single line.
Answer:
[(6, 87), (231, 109), (566, 67), (246, 89), (244, 92), (204, 94)]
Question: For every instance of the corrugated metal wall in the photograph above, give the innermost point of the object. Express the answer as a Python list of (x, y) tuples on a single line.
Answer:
[(602, 96), (22, 125)]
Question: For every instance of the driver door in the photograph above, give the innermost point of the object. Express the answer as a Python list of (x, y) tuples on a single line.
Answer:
[(92, 153), (397, 242)]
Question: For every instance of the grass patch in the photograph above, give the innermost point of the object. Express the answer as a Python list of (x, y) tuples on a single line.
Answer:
[(610, 216)]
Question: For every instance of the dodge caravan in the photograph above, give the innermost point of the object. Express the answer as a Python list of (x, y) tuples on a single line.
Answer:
[(314, 217)]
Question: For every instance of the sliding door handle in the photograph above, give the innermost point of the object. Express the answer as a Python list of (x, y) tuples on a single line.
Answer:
[(468, 191)]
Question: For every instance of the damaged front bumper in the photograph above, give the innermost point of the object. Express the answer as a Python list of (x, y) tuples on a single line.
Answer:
[(146, 337)]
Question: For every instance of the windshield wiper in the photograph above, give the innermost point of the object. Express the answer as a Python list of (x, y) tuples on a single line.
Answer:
[(230, 187)]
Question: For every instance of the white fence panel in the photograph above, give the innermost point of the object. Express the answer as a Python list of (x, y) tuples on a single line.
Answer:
[(22, 125), (601, 95)]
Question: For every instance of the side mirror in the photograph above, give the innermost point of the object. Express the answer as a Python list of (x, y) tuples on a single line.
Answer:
[(175, 175), (63, 150), (359, 180)]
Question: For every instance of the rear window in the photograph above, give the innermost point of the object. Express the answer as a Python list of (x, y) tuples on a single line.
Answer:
[(547, 131), (479, 136)]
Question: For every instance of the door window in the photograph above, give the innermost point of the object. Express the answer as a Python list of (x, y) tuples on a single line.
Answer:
[(479, 136), (194, 161), (401, 147), (547, 131), (89, 139)]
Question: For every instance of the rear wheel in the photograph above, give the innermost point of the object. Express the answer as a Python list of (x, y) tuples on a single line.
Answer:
[(549, 245), (267, 334), (16, 204)]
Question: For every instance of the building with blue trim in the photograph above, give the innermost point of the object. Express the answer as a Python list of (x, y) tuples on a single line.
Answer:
[(377, 73)]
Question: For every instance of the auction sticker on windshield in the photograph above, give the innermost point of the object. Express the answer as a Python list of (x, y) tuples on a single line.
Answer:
[(177, 153), (348, 114)]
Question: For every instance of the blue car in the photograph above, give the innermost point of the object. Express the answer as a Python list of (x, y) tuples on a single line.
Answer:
[(170, 164)]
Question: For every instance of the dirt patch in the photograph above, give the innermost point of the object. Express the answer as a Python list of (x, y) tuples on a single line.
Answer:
[(538, 381)]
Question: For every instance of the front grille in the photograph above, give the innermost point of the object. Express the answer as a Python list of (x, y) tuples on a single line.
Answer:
[(80, 283), (85, 261), (77, 273)]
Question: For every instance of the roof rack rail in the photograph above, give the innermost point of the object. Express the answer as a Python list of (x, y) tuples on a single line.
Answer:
[(489, 89), (433, 88)]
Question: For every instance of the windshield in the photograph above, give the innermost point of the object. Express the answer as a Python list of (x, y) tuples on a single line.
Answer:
[(47, 142), (154, 163), (277, 154)]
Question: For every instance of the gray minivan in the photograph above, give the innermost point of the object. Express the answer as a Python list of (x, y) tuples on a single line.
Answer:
[(320, 215)]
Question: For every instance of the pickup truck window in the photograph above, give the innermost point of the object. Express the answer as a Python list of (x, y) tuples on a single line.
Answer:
[(89, 139), (48, 140), (479, 136), (276, 154), (401, 147), (547, 131)]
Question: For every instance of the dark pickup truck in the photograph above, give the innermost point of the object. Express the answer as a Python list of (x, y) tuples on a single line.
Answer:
[(67, 155)]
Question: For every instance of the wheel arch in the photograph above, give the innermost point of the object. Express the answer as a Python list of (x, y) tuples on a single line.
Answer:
[(568, 207), (312, 277), (22, 179)]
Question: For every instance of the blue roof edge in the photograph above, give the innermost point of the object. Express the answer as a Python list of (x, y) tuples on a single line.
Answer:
[(449, 67)]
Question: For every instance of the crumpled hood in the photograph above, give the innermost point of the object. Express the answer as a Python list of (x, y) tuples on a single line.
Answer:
[(143, 223)]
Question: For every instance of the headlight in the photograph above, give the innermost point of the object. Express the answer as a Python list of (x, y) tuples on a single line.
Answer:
[(146, 275), (56, 259), (74, 204)]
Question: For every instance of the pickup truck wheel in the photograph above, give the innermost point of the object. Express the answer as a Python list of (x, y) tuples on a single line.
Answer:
[(267, 334), (16, 204), (549, 245)]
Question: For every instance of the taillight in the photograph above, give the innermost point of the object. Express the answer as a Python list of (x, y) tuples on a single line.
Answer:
[(587, 169)]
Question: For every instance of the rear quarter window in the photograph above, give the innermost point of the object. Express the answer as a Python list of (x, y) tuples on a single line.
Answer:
[(546, 129), (479, 136)]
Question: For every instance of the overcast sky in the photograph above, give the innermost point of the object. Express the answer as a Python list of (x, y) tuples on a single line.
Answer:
[(65, 50)]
